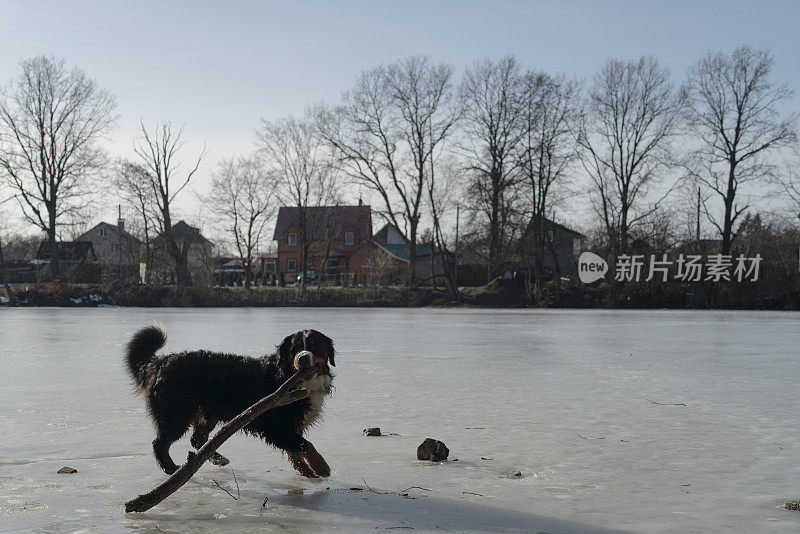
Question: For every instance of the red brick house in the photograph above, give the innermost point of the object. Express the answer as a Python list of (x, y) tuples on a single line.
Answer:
[(339, 232), (344, 235)]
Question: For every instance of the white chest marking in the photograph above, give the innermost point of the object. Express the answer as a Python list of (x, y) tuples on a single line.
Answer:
[(318, 388)]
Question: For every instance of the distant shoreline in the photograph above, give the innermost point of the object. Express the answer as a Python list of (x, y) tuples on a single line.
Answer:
[(497, 294)]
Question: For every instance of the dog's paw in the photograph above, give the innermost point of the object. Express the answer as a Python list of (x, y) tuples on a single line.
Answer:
[(323, 472), (219, 460)]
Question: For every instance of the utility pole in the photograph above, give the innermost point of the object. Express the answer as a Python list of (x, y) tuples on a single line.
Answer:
[(455, 269), (698, 220), (120, 226)]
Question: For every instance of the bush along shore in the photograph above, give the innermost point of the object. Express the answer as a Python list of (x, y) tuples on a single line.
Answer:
[(499, 293)]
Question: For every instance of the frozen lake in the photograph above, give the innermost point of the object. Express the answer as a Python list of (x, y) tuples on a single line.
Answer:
[(635, 421)]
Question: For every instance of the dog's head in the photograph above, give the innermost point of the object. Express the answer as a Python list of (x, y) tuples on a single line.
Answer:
[(307, 348)]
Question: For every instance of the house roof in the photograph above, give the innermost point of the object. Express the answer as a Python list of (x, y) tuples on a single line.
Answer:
[(182, 232), (115, 228), (321, 218), (552, 224), (67, 250), (382, 235), (401, 251)]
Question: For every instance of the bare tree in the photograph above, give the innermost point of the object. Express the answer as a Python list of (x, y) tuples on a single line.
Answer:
[(734, 112), (243, 196), (443, 188), (291, 150), (4, 229), (387, 132), (789, 180), (158, 153), (632, 112), (491, 95), (134, 188), (51, 119), (546, 151)]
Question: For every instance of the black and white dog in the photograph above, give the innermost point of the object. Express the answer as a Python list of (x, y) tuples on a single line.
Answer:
[(199, 389)]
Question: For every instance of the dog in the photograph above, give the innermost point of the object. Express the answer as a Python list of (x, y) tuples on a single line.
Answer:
[(200, 389)]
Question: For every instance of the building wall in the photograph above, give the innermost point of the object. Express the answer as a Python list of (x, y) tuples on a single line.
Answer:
[(428, 276), (317, 249), (393, 236), (372, 265), (111, 246), (567, 246), (199, 260)]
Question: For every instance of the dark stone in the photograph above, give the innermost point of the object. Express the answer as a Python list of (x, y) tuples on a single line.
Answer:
[(372, 431), (433, 450), (517, 474), (67, 470)]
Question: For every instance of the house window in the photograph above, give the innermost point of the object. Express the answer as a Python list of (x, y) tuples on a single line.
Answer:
[(291, 265), (292, 239), (550, 235), (310, 263), (349, 238), (102, 232)]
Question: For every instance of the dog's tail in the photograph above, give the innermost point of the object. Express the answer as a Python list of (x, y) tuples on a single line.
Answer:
[(142, 349)]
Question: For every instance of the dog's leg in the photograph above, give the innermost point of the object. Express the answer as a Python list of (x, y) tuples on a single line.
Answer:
[(296, 447), (298, 461), (199, 437), (161, 450), (315, 461)]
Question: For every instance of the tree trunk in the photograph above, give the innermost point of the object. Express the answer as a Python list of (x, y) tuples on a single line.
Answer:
[(182, 265), (727, 228), (449, 277), (493, 267), (248, 274), (55, 266), (303, 263), (12, 299), (148, 259), (551, 247), (432, 263), (411, 246), (412, 265)]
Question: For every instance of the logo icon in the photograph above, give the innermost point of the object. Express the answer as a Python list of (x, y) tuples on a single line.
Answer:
[(591, 267)]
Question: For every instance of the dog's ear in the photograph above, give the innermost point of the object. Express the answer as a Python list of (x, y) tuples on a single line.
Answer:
[(330, 349), (284, 348)]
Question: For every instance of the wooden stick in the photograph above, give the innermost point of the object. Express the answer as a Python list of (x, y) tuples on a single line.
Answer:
[(281, 397)]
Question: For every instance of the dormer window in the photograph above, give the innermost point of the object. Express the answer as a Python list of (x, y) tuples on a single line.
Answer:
[(292, 239), (102, 232), (349, 239)]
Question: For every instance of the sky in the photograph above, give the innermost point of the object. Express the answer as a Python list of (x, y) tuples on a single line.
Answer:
[(219, 67)]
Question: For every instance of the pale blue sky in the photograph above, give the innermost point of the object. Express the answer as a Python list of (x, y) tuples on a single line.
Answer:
[(219, 67)]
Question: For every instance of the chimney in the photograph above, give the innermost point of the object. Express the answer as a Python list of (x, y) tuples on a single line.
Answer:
[(120, 220), (360, 202)]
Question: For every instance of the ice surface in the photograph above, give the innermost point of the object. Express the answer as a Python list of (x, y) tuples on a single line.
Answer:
[(642, 421)]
